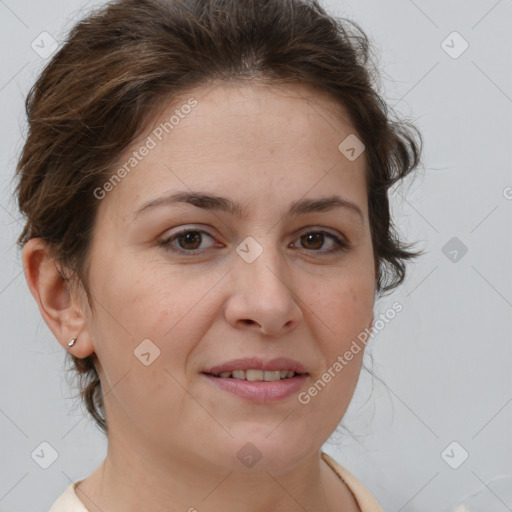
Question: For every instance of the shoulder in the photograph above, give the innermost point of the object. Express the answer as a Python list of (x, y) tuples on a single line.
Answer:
[(366, 502), (68, 501)]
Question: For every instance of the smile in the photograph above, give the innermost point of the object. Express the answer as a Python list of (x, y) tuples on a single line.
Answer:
[(259, 390), (258, 375)]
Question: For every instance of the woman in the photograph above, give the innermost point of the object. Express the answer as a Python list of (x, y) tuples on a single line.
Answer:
[(207, 228)]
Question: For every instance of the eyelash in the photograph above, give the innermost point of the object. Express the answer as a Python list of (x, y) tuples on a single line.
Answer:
[(341, 245)]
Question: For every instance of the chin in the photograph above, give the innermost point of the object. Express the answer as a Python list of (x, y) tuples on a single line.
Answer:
[(255, 450)]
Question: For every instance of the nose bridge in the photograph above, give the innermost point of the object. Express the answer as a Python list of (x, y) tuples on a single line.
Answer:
[(264, 291), (263, 264)]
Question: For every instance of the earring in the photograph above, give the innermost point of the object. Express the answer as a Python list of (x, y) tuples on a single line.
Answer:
[(72, 342)]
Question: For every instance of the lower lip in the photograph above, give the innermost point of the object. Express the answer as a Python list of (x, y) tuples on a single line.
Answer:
[(260, 391)]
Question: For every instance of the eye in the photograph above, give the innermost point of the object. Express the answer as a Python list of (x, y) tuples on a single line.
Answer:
[(188, 240), (314, 240)]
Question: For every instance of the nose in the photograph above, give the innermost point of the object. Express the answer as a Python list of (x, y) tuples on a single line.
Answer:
[(263, 297)]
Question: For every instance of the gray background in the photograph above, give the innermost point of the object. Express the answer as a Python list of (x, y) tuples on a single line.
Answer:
[(445, 359)]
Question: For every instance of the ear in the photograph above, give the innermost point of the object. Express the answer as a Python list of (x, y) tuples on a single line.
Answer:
[(64, 312)]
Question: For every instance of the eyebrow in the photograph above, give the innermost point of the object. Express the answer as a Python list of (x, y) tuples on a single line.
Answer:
[(208, 201)]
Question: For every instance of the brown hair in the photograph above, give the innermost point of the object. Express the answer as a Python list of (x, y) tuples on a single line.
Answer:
[(124, 60)]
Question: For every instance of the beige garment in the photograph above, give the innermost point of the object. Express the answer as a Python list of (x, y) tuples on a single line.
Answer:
[(366, 502), (68, 501)]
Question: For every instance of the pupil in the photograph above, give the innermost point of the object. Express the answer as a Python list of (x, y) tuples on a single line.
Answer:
[(193, 238), (314, 237)]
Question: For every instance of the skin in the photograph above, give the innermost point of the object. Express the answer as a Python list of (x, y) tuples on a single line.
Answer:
[(173, 436)]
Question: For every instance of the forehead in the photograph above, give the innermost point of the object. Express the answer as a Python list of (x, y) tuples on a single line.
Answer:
[(245, 138), (246, 118)]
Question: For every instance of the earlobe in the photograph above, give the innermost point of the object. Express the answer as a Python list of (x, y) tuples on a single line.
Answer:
[(63, 313)]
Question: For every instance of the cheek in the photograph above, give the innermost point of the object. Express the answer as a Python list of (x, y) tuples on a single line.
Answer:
[(139, 300), (341, 314), (135, 293), (147, 313), (344, 308)]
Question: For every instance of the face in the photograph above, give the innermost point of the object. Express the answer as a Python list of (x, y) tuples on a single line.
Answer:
[(269, 273)]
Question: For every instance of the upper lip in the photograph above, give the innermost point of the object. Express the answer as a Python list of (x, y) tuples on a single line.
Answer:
[(256, 363)]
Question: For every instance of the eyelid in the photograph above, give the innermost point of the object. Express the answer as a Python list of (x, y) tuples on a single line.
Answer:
[(340, 241), (322, 229), (182, 230)]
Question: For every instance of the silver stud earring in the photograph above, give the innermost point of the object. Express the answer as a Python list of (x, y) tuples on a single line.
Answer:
[(72, 342)]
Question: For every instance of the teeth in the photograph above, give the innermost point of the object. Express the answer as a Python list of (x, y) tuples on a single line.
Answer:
[(269, 376), (253, 375), (258, 375)]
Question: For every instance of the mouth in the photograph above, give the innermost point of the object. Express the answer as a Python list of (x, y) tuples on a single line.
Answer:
[(258, 381), (257, 375)]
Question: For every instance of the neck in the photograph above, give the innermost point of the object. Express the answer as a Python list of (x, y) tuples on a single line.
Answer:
[(152, 480)]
